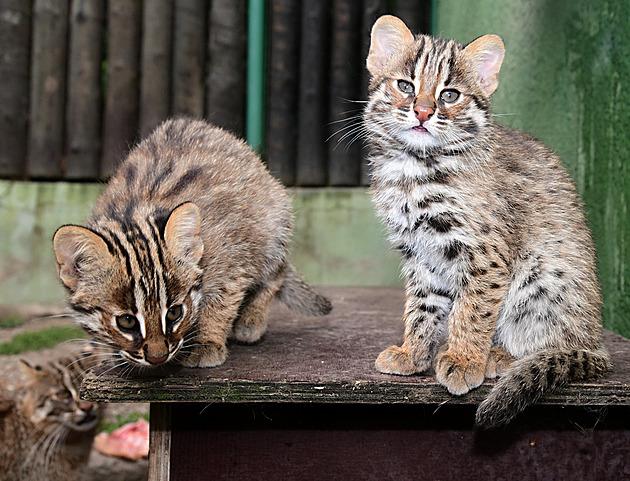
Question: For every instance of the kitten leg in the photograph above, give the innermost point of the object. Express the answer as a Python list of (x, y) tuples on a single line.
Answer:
[(462, 365), (209, 345), (424, 318), (251, 323), (498, 362)]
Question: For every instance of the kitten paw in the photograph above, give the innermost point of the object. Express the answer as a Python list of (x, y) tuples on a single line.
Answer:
[(250, 333), (458, 374), (207, 355), (499, 360), (396, 360)]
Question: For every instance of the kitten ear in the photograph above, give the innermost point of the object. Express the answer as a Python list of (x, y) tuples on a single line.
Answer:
[(486, 55), (181, 233), (389, 34), (32, 372), (78, 248)]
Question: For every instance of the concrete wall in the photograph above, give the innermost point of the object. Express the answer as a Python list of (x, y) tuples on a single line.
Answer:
[(337, 241), (566, 80)]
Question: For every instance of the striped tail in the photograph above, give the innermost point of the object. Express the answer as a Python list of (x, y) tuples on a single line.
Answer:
[(299, 296), (530, 378)]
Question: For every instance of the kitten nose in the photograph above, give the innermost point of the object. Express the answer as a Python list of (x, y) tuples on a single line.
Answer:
[(423, 113), (155, 353), (85, 406)]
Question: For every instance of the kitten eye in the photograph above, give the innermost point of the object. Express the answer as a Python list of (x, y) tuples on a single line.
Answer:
[(174, 314), (63, 394), (449, 95), (126, 322), (406, 87)]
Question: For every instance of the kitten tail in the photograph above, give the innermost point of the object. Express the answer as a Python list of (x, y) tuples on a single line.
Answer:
[(534, 376), (299, 296)]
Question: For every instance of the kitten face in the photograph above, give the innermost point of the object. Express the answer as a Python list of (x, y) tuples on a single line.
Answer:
[(429, 93), (52, 399), (136, 285)]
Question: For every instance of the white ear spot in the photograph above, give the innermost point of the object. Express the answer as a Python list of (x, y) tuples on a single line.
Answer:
[(485, 56), (182, 233), (389, 35)]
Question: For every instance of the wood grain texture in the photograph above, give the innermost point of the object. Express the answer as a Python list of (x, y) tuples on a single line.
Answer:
[(331, 360), (160, 442)]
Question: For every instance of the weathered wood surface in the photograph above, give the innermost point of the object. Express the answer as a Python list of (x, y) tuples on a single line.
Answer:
[(331, 360)]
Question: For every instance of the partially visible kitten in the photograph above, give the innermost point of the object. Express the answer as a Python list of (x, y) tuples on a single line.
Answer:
[(499, 262), (188, 242), (46, 431)]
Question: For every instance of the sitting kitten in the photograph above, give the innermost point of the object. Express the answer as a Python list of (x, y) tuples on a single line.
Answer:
[(46, 431), (499, 263), (188, 241)]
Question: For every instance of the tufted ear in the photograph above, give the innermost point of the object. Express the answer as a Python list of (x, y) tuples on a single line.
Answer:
[(181, 233), (79, 250), (389, 35), (485, 55)]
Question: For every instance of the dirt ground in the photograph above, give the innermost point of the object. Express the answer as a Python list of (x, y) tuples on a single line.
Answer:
[(100, 467)]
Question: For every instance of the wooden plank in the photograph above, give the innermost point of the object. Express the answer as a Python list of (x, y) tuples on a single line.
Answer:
[(156, 63), (331, 360), (160, 443), (282, 114), (372, 9), (227, 76), (189, 55), (120, 123), (415, 13), (48, 87), (394, 442), (312, 153), (15, 38), (344, 148), (83, 115)]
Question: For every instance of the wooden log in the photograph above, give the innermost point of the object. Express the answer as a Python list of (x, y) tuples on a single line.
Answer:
[(120, 123), (48, 87), (226, 86), (282, 93), (15, 38), (344, 148), (83, 114), (156, 63), (189, 55), (312, 153)]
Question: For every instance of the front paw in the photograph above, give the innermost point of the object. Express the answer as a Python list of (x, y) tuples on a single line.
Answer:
[(206, 355), (398, 360), (457, 373)]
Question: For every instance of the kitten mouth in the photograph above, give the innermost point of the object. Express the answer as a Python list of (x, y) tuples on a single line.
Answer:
[(419, 128)]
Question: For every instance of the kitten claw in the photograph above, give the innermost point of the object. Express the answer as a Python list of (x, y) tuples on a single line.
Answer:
[(396, 360), (458, 375), (207, 355)]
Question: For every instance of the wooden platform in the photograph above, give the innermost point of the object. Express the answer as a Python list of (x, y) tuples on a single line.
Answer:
[(307, 403)]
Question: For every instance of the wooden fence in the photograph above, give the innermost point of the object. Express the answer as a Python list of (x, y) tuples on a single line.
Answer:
[(81, 80)]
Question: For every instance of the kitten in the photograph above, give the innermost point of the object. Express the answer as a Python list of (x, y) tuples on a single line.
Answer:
[(499, 263), (187, 243), (46, 431)]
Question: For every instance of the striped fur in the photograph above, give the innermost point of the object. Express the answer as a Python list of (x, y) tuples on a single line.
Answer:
[(46, 431), (498, 260), (187, 244)]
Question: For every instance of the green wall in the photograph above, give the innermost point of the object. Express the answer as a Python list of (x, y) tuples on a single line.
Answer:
[(337, 240), (566, 80)]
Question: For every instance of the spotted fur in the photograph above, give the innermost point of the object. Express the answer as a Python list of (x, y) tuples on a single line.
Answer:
[(498, 260), (188, 242), (46, 431)]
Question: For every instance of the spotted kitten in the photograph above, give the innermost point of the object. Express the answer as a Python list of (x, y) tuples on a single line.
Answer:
[(187, 244), (499, 263), (46, 431)]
